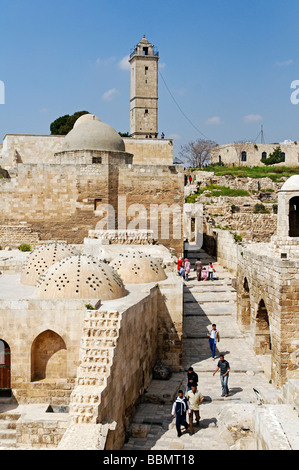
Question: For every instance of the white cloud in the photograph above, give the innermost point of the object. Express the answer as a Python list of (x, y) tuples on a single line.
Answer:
[(174, 136), (214, 120), (110, 94), (252, 118), (105, 62), (124, 63), (284, 63)]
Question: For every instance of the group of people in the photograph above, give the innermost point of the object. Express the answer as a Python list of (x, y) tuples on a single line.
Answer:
[(189, 403), (202, 273)]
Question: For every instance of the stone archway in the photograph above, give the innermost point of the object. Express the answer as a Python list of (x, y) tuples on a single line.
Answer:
[(245, 316), (48, 357), (262, 330), (5, 377), (294, 217)]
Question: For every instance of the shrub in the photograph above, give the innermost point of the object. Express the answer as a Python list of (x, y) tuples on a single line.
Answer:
[(261, 209), (25, 247), (89, 307)]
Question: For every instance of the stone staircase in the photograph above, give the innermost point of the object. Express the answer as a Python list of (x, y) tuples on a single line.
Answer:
[(100, 333), (8, 433)]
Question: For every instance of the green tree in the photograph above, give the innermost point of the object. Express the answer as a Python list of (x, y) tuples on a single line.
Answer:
[(274, 157), (64, 124)]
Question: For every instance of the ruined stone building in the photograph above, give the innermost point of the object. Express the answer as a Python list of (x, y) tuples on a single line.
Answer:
[(253, 154)]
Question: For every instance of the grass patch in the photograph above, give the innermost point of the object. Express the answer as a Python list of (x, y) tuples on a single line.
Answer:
[(275, 173), (216, 191)]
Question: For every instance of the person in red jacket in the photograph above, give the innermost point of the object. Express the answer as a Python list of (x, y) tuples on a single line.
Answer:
[(180, 263)]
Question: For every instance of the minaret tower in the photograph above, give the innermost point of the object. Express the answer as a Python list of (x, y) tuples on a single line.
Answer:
[(144, 90)]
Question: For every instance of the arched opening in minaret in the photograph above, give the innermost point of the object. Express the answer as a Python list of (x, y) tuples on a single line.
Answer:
[(294, 217)]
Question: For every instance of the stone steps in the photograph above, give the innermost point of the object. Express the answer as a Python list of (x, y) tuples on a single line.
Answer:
[(8, 433)]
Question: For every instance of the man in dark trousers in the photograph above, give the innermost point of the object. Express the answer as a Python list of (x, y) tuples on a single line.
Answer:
[(179, 410), (192, 378)]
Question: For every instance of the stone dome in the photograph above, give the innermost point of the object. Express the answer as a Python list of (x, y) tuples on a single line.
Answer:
[(137, 267), (90, 133), (85, 118), (81, 277), (291, 184), (42, 258)]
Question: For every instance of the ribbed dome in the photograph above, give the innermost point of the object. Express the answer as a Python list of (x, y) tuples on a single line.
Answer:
[(42, 258), (81, 277), (137, 267), (89, 133)]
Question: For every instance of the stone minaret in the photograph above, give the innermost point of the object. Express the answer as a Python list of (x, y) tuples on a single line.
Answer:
[(144, 90)]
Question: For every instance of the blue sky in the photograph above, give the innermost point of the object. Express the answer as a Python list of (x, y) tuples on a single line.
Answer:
[(228, 64)]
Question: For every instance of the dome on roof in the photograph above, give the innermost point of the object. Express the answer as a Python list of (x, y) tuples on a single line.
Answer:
[(81, 277), (90, 133), (42, 258), (137, 267), (84, 118), (291, 184)]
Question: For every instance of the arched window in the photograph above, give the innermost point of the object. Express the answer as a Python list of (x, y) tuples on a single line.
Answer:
[(262, 332), (48, 357), (244, 305), (294, 217), (244, 156), (264, 155)]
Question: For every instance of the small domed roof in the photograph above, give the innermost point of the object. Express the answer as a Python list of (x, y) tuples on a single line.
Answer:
[(42, 258), (137, 267), (90, 133), (81, 277), (291, 184)]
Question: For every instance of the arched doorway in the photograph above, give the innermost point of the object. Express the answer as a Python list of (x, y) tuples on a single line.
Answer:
[(48, 357), (262, 330), (5, 385), (245, 304), (294, 217)]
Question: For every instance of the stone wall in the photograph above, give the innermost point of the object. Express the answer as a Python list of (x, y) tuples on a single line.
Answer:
[(64, 201), (23, 322), (41, 149), (150, 151), (231, 154), (268, 307)]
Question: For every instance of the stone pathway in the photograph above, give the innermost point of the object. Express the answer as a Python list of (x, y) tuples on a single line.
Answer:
[(205, 303)]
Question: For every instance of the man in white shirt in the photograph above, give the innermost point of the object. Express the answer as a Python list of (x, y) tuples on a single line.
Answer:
[(194, 398)]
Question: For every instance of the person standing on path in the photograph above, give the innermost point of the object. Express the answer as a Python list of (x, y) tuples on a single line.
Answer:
[(198, 268), (224, 368), (214, 336), (192, 378), (180, 263), (194, 398), (179, 410), (187, 267)]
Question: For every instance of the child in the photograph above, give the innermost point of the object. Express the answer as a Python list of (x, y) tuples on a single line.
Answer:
[(204, 274), (211, 271)]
